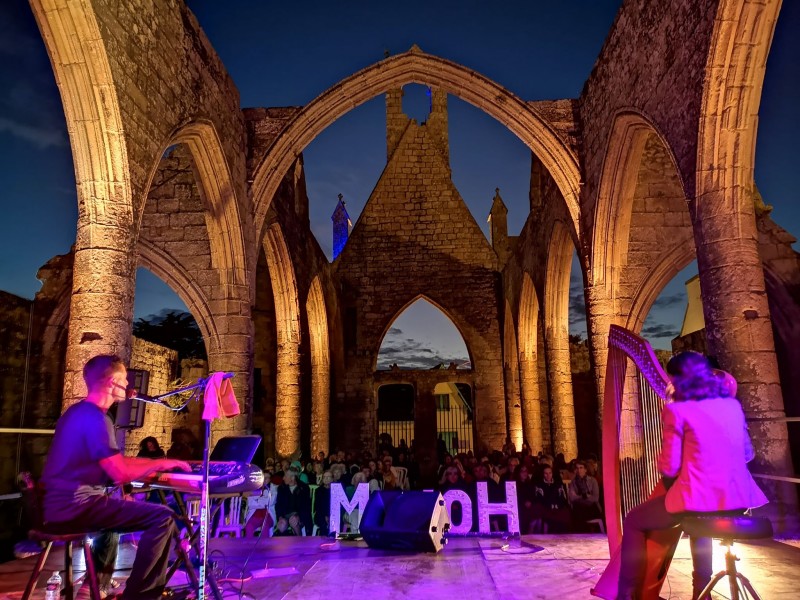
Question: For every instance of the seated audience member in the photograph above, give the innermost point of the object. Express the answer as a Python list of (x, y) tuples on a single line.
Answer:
[(149, 448), (287, 527), (261, 508), (322, 504), (551, 503), (388, 474), (584, 496), (525, 498), (510, 473), (294, 498)]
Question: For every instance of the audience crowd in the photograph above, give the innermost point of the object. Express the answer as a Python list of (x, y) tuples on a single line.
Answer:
[(553, 495)]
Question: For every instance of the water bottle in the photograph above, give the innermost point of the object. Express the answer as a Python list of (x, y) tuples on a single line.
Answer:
[(53, 589)]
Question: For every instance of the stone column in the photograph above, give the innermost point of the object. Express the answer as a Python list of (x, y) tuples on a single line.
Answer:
[(513, 403), (531, 401), (234, 354), (559, 375), (101, 307), (425, 435), (600, 316), (739, 333)]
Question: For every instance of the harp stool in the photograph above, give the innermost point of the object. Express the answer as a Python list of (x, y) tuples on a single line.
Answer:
[(729, 530), (68, 540)]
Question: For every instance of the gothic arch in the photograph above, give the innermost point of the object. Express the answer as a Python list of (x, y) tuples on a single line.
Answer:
[(224, 222), (403, 308), (612, 218), (83, 74), (287, 321), (415, 66), (175, 276), (528, 327), (320, 369), (556, 320)]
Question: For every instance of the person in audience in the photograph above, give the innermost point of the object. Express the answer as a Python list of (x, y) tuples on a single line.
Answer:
[(294, 498), (322, 504), (287, 527), (525, 498), (260, 513), (149, 448), (551, 503), (389, 476), (584, 496), (704, 454), (510, 472)]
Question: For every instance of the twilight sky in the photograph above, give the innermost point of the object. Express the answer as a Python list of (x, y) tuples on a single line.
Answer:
[(287, 53)]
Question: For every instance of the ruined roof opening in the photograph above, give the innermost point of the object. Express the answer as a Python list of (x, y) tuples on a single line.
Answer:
[(350, 155)]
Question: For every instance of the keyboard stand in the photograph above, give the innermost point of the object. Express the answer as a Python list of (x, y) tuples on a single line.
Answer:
[(193, 531)]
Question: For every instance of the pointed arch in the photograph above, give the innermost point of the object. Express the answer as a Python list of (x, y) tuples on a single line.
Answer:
[(166, 268), (556, 319), (529, 365), (415, 66), (101, 305), (511, 372), (320, 369), (287, 320), (224, 221), (403, 308)]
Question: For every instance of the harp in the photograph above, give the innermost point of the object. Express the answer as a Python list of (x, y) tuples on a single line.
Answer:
[(635, 392)]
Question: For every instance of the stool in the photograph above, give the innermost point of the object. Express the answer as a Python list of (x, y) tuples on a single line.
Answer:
[(728, 530), (68, 540)]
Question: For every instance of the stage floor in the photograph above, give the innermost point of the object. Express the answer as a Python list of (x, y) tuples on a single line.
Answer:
[(533, 566)]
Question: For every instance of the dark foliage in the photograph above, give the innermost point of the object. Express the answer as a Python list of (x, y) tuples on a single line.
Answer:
[(173, 329)]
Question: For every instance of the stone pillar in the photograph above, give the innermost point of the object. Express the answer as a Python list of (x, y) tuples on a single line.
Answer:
[(739, 333), (600, 316), (531, 401), (101, 307), (513, 404), (559, 375), (287, 409), (425, 435), (235, 355)]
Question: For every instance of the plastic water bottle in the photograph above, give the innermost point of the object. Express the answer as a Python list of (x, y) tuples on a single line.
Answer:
[(53, 589)]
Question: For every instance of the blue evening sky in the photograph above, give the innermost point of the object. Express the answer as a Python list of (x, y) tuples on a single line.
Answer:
[(281, 54)]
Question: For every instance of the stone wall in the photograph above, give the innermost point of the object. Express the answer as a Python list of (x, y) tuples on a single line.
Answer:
[(416, 238)]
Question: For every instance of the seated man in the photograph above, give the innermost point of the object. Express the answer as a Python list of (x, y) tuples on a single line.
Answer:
[(83, 458), (584, 496), (294, 498)]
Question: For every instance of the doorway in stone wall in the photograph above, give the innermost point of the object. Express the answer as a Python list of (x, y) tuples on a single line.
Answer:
[(395, 416), (454, 432)]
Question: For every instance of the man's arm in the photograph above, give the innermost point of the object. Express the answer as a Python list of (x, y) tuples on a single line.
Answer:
[(124, 469)]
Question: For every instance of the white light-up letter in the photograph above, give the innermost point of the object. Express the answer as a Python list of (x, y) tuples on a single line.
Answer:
[(339, 500), (509, 507), (460, 496)]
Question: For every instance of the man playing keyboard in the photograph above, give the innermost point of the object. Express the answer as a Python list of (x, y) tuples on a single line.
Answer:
[(83, 458)]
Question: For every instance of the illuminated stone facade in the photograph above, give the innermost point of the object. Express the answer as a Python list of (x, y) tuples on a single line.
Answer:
[(660, 140)]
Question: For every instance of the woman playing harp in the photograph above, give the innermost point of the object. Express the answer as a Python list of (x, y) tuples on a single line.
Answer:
[(705, 449)]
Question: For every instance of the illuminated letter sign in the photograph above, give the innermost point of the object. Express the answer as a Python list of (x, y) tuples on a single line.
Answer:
[(339, 500)]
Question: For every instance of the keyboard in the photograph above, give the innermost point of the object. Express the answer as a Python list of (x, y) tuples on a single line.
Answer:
[(224, 477)]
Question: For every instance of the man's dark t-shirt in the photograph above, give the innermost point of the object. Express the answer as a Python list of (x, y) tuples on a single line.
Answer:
[(72, 473)]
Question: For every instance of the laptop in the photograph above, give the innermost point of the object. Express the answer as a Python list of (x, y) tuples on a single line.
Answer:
[(239, 448)]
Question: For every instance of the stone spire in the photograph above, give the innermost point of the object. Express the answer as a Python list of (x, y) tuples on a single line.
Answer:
[(341, 227), (498, 219), (437, 122)]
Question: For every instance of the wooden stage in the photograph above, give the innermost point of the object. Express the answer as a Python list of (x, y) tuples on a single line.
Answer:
[(533, 566)]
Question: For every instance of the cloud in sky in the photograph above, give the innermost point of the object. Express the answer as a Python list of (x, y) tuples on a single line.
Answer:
[(409, 353), (660, 330), (40, 136), (670, 300)]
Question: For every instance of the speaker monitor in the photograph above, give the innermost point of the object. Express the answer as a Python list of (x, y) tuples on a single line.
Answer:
[(415, 521)]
